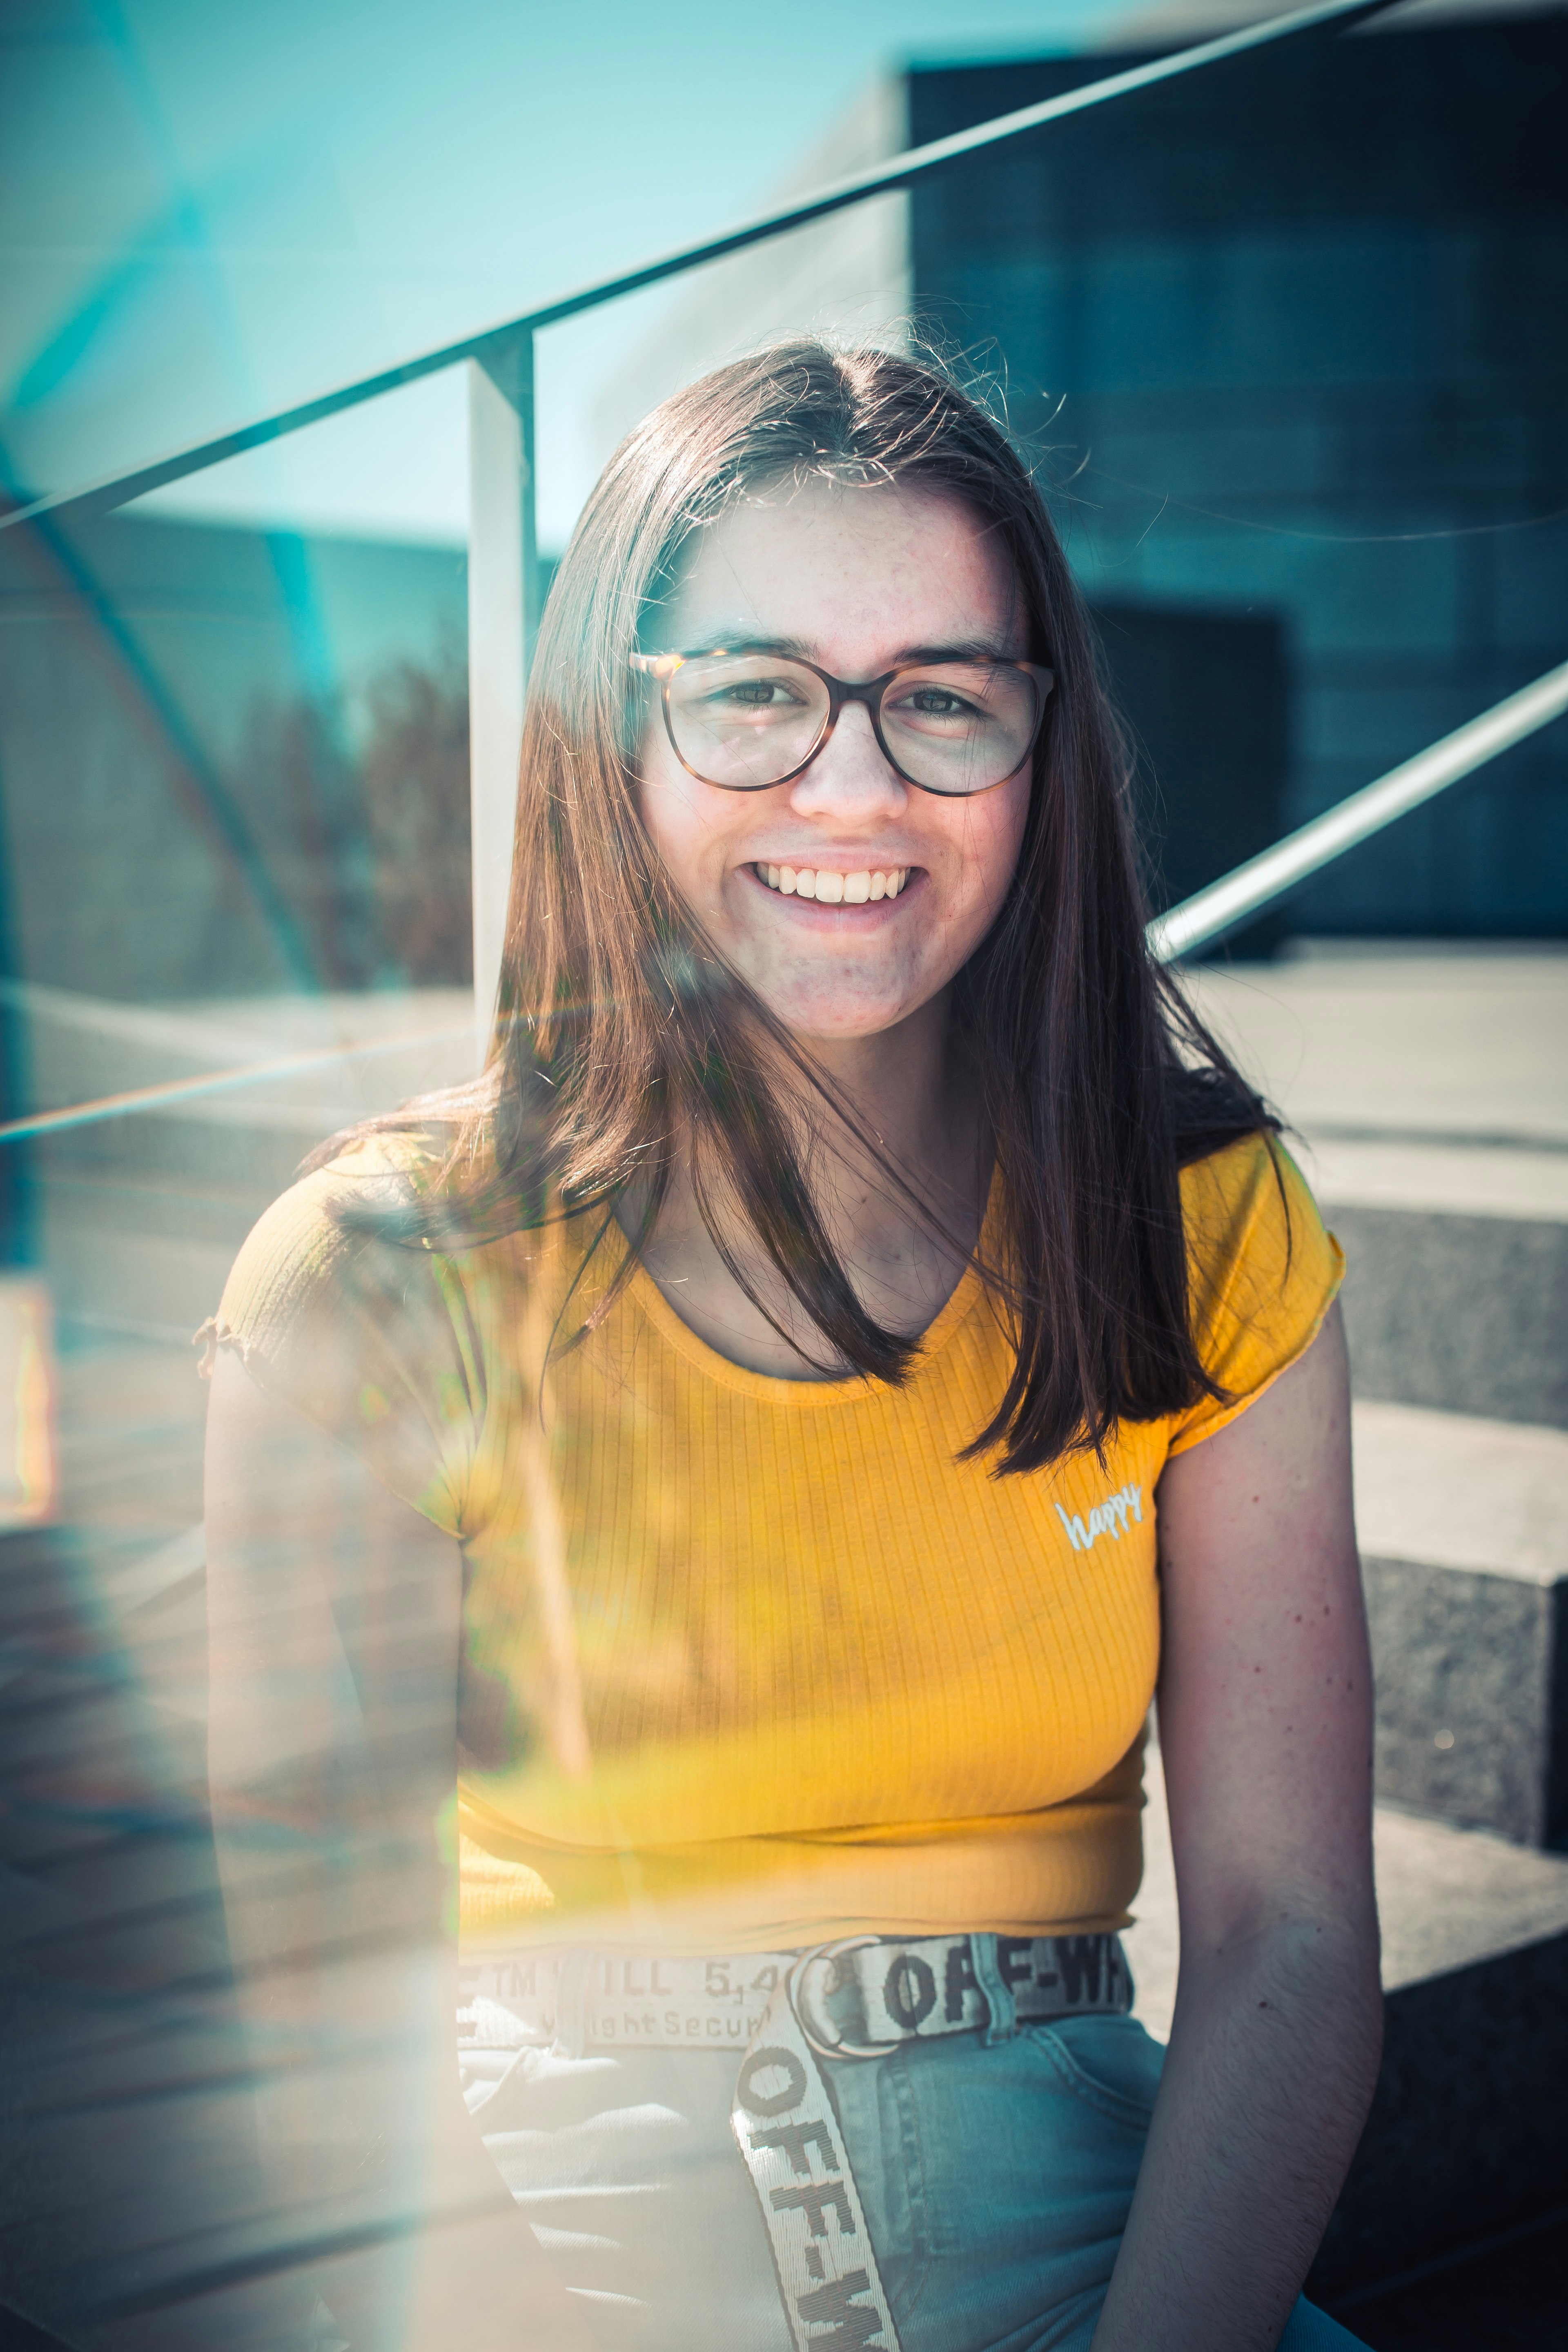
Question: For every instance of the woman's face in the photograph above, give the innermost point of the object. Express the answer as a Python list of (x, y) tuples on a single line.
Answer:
[(855, 580)]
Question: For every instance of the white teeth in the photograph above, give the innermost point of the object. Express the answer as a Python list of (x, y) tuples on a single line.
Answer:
[(833, 889)]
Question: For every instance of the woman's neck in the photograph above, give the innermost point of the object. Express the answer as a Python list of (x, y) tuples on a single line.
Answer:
[(914, 1098), (898, 1086)]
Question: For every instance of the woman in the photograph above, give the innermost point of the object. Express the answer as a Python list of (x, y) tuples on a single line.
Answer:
[(764, 1441)]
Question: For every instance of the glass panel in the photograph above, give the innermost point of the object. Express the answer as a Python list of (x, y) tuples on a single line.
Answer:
[(233, 754)]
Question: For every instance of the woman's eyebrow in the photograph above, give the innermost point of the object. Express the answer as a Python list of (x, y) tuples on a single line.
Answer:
[(736, 640), (986, 649), (982, 648)]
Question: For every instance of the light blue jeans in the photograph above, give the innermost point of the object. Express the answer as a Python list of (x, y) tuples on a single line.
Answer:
[(996, 2183)]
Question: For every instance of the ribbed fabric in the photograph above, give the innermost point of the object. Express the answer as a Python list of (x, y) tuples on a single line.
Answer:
[(781, 1667)]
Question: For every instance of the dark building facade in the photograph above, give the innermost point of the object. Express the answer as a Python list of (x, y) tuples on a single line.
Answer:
[(1291, 338)]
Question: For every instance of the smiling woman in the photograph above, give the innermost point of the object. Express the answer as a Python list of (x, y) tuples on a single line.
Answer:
[(764, 1441), (868, 579), (780, 803)]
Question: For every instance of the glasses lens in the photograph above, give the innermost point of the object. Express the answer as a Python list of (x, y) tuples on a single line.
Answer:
[(960, 727), (744, 720)]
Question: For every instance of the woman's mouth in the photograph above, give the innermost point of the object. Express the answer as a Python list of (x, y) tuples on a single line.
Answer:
[(834, 888)]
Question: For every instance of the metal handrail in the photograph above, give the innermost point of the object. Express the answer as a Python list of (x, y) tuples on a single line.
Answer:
[(1210, 913), (902, 172)]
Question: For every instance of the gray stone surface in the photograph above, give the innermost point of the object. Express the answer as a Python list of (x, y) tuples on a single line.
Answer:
[(1463, 1525), (1428, 1090), (1461, 1491), (1469, 1702), (1436, 1042), (1449, 1897), (1453, 1180), (1465, 1313)]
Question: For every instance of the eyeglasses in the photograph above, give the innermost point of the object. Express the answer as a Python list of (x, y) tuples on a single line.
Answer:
[(748, 722)]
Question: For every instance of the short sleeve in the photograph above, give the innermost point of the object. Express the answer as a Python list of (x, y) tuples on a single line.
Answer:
[(1262, 1274), (362, 1330)]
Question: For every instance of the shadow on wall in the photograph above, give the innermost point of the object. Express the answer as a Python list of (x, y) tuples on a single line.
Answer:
[(1206, 698)]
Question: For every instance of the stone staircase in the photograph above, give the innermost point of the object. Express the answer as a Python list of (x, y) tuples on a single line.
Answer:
[(1428, 1092), (1456, 1308)]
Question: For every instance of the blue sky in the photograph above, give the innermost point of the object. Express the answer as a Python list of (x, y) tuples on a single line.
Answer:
[(211, 209)]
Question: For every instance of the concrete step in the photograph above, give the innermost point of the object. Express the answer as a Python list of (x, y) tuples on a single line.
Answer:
[(1456, 1273), (1464, 2139), (1434, 1042), (1463, 1525), (1428, 1095)]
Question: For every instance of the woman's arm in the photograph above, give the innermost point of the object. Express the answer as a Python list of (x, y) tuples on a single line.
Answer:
[(335, 1614), (1265, 1728)]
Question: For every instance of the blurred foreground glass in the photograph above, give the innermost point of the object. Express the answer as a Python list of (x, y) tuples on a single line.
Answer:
[(748, 722), (234, 780)]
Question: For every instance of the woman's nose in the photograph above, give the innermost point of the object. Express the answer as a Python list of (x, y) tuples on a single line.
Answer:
[(850, 777)]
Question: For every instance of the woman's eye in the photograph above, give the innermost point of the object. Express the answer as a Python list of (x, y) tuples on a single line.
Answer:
[(937, 702), (752, 694)]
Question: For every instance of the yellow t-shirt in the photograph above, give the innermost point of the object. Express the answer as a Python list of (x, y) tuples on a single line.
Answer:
[(781, 1667)]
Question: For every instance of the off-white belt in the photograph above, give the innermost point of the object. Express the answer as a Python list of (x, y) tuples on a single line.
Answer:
[(858, 1998), (779, 2012)]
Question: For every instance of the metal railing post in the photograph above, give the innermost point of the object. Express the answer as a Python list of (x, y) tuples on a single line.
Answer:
[(503, 622)]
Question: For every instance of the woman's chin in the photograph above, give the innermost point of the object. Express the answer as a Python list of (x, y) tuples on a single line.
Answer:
[(829, 1021)]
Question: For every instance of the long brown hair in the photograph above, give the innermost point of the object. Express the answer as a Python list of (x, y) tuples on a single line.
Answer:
[(620, 1028)]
